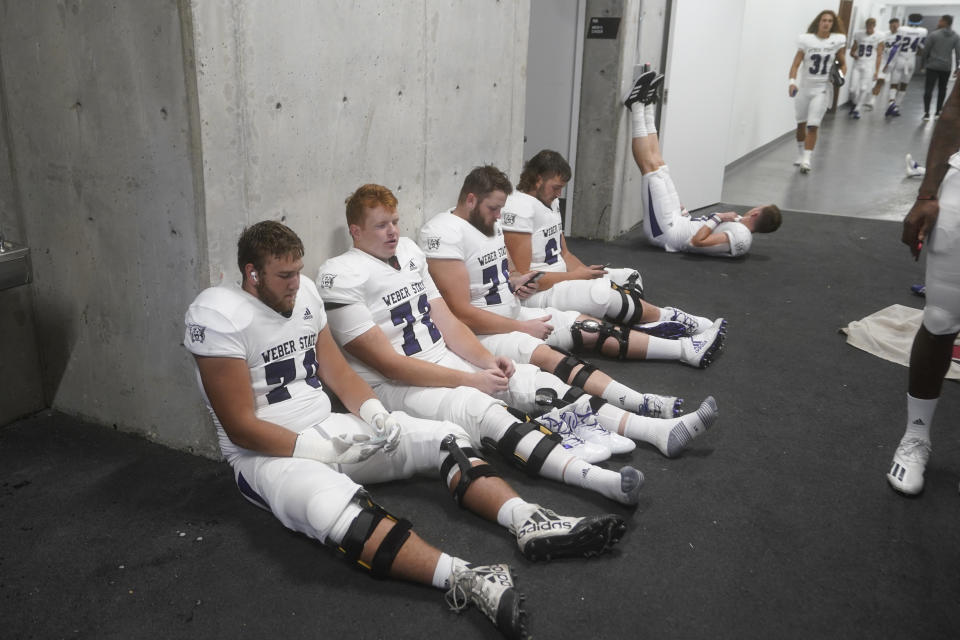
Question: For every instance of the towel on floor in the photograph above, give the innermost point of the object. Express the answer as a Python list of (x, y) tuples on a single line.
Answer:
[(889, 333)]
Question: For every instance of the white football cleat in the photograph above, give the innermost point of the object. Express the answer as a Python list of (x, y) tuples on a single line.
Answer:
[(909, 462), (913, 168), (655, 406), (490, 588), (701, 350), (583, 419), (571, 438), (542, 534)]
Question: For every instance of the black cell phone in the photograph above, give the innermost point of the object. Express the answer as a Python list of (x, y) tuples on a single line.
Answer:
[(536, 276)]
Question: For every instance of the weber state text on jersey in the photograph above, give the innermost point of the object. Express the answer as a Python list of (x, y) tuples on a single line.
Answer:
[(818, 55), (362, 291), (450, 237), (228, 322), (524, 213)]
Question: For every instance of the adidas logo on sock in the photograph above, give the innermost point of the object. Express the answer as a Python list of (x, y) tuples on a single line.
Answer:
[(920, 422), (585, 472)]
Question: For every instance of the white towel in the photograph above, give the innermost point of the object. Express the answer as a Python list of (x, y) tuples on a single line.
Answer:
[(889, 333)]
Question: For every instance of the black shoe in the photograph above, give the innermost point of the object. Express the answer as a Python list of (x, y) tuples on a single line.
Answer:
[(650, 95), (639, 88)]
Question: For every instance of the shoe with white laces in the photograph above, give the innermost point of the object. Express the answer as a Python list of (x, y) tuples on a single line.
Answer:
[(571, 438), (909, 462), (490, 589), (583, 419), (676, 323), (805, 166), (543, 535), (654, 406), (702, 349)]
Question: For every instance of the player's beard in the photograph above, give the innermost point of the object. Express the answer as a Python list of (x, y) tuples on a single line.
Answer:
[(279, 304), (477, 220)]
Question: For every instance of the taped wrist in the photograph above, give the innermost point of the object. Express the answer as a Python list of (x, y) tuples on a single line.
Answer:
[(370, 409)]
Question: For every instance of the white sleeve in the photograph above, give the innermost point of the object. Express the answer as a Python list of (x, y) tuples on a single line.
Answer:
[(349, 322), (210, 333), (441, 243), (517, 215)]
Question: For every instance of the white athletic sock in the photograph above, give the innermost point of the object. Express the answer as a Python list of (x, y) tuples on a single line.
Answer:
[(580, 473), (806, 155), (444, 571), (638, 123), (622, 396), (663, 349), (800, 149), (670, 435), (893, 95), (650, 118), (919, 417), (505, 514)]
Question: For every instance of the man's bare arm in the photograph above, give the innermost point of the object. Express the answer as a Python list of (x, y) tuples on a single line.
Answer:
[(374, 349), (453, 281), (226, 381), (336, 373), (943, 144)]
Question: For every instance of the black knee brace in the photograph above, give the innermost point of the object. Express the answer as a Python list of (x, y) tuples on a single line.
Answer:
[(460, 456), (507, 446), (568, 364), (604, 330), (630, 291), (362, 528)]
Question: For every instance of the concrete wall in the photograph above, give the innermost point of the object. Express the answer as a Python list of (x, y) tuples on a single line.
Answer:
[(301, 104), (98, 114), (139, 153), (22, 390)]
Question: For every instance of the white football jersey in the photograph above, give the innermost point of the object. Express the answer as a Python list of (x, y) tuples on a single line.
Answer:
[(524, 213), (818, 55), (911, 39), (890, 40), (866, 45), (227, 322), (447, 236), (362, 291)]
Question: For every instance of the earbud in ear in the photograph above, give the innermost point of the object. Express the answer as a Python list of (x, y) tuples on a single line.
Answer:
[(253, 274)]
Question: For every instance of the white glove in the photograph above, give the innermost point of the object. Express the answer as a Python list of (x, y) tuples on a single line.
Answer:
[(386, 424), (342, 449)]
